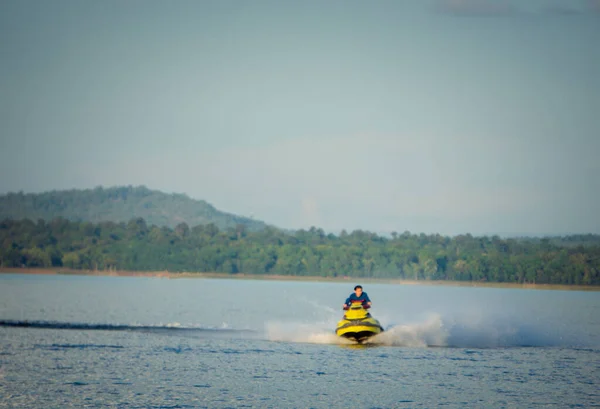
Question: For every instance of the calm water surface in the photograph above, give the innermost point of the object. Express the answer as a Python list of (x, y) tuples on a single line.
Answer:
[(76, 341)]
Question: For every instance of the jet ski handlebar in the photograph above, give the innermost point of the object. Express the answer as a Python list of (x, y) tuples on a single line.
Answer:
[(365, 306)]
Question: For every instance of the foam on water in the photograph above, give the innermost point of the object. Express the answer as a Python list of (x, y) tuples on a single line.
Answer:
[(430, 332), (302, 333)]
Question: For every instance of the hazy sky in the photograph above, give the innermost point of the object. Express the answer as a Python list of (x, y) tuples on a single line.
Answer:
[(447, 116)]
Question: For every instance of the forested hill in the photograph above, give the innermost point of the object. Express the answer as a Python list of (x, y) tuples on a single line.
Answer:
[(204, 248), (119, 204)]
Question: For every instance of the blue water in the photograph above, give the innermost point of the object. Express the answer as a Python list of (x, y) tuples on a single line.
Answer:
[(77, 341)]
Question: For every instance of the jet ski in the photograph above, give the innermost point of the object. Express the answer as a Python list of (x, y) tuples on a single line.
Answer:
[(357, 324)]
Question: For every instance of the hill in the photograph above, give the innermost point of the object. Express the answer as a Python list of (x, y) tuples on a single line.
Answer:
[(119, 204)]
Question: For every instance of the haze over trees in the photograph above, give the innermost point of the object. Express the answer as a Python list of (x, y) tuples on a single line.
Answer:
[(136, 245), (119, 204)]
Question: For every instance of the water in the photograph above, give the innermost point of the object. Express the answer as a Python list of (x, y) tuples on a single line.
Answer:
[(76, 341)]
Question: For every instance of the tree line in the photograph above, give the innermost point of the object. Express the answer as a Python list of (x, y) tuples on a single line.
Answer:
[(137, 246)]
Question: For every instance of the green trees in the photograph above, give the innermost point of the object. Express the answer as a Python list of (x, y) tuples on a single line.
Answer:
[(134, 245)]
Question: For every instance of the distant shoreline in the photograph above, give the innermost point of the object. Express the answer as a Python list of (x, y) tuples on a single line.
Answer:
[(273, 277)]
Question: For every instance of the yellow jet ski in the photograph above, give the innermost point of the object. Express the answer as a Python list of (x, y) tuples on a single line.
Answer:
[(358, 324)]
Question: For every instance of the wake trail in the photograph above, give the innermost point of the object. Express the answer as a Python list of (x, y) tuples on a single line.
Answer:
[(82, 326)]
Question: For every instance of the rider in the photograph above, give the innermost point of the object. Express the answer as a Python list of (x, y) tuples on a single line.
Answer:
[(358, 296)]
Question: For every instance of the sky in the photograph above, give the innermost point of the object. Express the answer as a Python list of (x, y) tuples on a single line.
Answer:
[(433, 116)]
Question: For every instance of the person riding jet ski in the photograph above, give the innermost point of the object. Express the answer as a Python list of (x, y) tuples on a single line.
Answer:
[(357, 324), (358, 296)]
